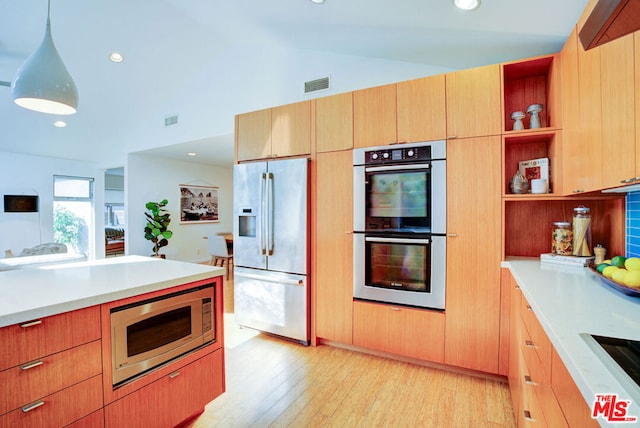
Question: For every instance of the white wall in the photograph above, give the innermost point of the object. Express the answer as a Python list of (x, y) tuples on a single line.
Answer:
[(31, 175), (153, 179)]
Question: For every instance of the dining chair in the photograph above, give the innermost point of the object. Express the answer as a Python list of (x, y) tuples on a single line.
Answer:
[(220, 252)]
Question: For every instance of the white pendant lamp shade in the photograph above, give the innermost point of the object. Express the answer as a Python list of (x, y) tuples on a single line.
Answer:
[(43, 83)]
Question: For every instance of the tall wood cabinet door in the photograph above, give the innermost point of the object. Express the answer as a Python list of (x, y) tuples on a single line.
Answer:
[(589, 175), (422, 109), (573, 156), (334, 123), (618, 112), (515, 326), (253, 135), (473, 102), (374, 116), (333, 267), (291, 129), (474, 253)]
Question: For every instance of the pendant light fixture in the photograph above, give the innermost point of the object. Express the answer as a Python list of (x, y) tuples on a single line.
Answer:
[(43, 83)]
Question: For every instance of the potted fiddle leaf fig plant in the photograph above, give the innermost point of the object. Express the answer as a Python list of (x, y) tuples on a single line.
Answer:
[(157, 228)]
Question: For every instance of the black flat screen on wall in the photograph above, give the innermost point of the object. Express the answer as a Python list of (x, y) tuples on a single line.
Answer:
[(20, 203)]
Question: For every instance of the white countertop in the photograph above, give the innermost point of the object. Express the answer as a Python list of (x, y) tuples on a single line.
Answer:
[(571, 303), (27, 294)]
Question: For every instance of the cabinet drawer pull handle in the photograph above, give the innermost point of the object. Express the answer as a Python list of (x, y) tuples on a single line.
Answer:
[(628, 180), (529, 344), (174, 375), (527, 416), (393, 308), (452, 235), (31, 365), (529, 307), (529, 381), (31, 324), (452, 136), (32, 406)]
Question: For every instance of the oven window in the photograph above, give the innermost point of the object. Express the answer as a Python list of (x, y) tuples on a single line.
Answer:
[(398, 200), (158, 331), (398, 266)]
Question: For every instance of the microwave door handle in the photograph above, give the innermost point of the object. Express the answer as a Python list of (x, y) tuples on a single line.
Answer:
[(270, 203), (397, 167), (263, 178), (398, 240)]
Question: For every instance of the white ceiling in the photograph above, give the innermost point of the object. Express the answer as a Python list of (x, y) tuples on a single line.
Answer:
[(207, 60)]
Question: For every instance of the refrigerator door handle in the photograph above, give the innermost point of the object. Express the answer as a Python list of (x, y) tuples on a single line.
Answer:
[(267, 279), (263, 183), (270, 203)]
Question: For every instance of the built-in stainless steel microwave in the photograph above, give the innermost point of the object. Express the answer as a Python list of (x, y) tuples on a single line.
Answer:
[(149, 333)]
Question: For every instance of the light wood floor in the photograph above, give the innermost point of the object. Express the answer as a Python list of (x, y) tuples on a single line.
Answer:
[(272, 382)]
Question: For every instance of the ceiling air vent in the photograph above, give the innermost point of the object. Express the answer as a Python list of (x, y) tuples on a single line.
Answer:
[(316, 85)]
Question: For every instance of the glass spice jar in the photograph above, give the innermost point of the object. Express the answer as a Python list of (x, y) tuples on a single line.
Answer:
[(562, 238)]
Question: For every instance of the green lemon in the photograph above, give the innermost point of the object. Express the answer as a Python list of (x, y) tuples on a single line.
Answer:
[(618, 261), (619, 275), (632, 263), (601, 267), (608, 271)]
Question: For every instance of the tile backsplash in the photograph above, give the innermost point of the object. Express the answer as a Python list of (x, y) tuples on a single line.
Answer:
[(633, 224)]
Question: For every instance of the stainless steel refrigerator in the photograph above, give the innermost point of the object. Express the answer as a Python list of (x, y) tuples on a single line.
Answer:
[(271, 248)]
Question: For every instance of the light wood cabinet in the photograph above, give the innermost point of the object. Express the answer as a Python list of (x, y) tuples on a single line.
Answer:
[(473, 102), (409, 332), (618, 113), (172, 399), (421, 109), (291, 130), (333, 267), (542, 391), (253, 135), (334, 123), (473, 253), (277, 132), (406, 112), (374, 116)]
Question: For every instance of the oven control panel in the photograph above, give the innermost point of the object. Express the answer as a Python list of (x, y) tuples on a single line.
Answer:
[(398, 155)]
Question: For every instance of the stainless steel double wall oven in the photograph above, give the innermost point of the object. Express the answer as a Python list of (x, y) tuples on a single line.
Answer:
[(400, 224)]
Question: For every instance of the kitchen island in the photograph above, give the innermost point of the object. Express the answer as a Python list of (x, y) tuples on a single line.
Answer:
[(56, 357), (571, 304)]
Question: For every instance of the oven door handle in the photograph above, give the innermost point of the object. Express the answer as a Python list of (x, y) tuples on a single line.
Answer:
[(397, 167), (398, 240)]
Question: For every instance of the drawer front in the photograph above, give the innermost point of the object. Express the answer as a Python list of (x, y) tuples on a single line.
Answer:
[(94, 420), (44, 376), (176, 397), (530, 410), (32, 340), (538, 338), (59, 409), (414, 333)]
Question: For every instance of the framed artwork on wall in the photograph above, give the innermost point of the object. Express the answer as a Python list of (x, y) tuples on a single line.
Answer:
[(199, 204)]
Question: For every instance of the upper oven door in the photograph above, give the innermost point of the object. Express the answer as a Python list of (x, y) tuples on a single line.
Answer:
[(408, 198)]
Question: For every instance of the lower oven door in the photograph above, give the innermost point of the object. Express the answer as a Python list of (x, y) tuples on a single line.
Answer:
[(399, 270)]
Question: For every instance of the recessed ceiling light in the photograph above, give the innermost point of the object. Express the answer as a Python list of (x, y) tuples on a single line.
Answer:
[(467, 4), (59, 124), (116, 57), (192, 154), (317, 1)]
